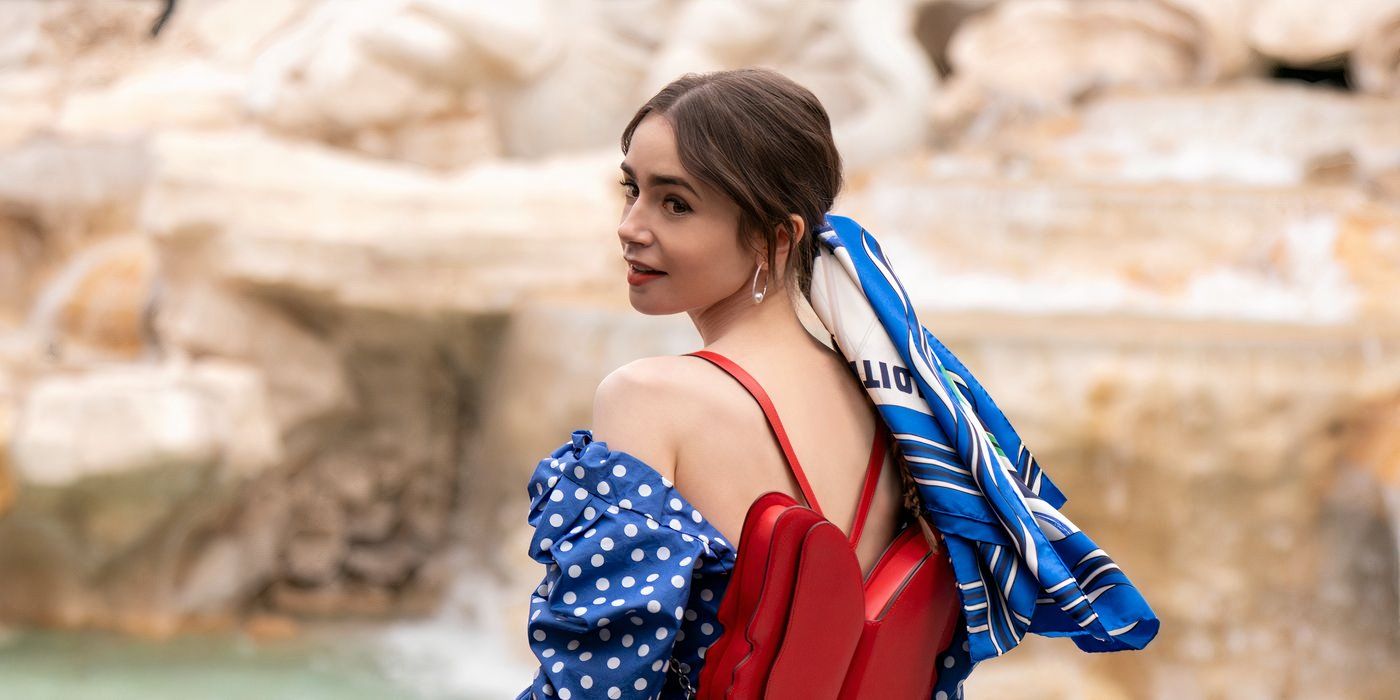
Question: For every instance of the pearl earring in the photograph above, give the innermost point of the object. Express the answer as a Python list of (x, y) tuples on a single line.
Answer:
[(758, 296)]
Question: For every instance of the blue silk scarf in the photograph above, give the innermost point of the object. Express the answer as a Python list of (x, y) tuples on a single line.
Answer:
[(1021, 565)]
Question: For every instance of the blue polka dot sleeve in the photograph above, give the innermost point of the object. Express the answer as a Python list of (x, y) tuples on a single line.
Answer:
[(954, 666), (633, 577)]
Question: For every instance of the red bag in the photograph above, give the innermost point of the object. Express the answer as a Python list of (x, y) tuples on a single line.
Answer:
[(799, 621)]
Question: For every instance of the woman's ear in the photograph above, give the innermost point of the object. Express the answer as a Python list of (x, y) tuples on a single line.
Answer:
[(795, 228)]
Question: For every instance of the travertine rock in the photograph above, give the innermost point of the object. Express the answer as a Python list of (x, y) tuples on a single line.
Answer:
[(318, 543), (317, 78), (121, 470), (97, 306), (1223, 50), (373, 523), (91, 42), (1303, 32), (1045, 54), (385, 565), (1375, 64), (129, 419), (231, 32), (556, 77), (1250, 132), (192, 95), (7, 474), (20, 34), (447, 84), (531, 80), (380, 237), (237, 555), (304, 374), (56, 200), (74, 189), (315, 558), (1162, 250), (31, 99), (332, 601), (860, 58)]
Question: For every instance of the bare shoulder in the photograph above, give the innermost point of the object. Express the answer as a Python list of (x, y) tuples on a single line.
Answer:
[(642, 408)]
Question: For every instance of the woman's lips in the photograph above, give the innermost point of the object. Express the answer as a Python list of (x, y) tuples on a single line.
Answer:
[(636, 278)]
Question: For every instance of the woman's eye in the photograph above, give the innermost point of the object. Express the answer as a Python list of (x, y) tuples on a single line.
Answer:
[(678, 205)]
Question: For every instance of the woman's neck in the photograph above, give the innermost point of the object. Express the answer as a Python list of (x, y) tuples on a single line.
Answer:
[(740, 326)]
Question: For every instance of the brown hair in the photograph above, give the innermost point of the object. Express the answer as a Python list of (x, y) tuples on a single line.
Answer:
[(763, 140)]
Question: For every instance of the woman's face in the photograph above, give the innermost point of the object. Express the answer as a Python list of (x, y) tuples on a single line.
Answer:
[(677, 224)]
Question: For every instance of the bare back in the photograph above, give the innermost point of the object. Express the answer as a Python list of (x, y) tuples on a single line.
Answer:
[(727, 454)]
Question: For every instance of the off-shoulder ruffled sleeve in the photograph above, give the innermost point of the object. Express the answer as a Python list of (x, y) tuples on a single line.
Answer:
[(626, 557)]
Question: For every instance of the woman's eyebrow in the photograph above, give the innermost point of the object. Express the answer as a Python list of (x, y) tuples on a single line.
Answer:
[(662, 180)]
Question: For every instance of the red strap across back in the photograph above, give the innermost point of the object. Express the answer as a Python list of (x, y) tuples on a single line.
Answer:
[(872, 469)]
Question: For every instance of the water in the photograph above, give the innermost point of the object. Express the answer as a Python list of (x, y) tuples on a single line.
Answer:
[(472, 649), (325, 663)]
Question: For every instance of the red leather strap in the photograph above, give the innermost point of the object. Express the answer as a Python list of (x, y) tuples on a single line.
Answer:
[(761, 396), (872, 477), (872, 469)]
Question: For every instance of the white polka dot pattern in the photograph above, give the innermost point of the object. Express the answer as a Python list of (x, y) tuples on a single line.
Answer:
[(664, 578)]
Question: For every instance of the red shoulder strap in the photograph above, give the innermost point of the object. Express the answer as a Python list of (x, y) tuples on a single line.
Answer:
[(761, 397), (872, 469), (872, 477)]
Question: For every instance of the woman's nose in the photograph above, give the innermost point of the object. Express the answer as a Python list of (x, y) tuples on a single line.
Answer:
[(632, 228)]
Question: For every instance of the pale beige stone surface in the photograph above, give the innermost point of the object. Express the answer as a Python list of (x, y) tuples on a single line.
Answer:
[(1375, 64), (1249, 132), (191, 95), (378, 236), (304, 374), (132, 418), (1308, 31), (1046, 53), (1223, 50), (119, 467), (861, 59)]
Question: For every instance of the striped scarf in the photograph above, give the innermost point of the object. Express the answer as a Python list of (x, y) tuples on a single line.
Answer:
[(1021, 565)]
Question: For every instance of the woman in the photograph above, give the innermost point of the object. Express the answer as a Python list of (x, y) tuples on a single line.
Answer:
[(728, 178), (725, 176)]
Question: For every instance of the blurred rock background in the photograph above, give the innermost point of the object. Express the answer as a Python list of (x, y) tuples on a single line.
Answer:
[(295, 293)]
